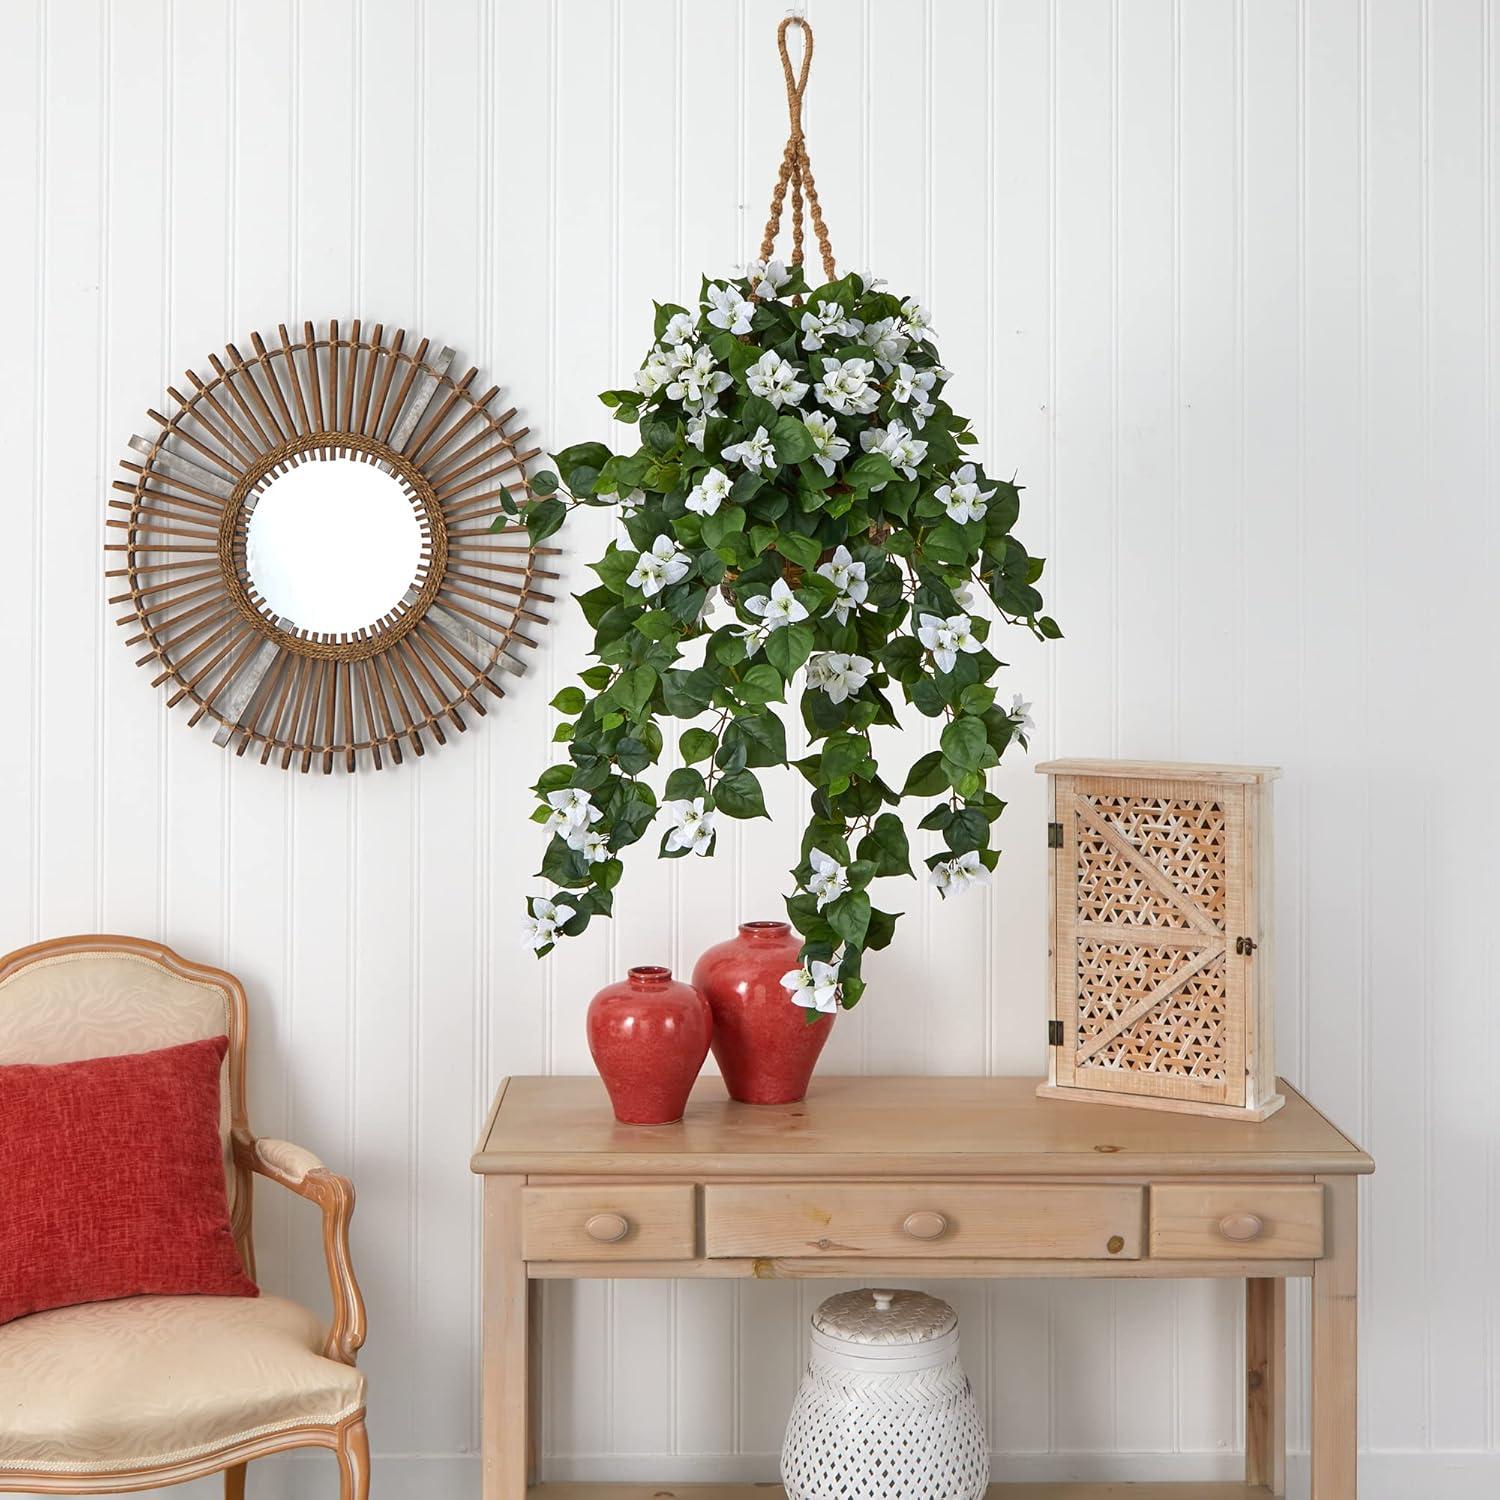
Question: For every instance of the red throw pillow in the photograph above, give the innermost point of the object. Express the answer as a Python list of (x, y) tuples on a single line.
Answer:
[(112, 1180)]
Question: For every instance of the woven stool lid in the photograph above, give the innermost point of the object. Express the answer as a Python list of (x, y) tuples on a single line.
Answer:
[(884, 1317)]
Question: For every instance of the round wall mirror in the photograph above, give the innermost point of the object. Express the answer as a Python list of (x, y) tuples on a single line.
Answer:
[(333, 544), (316, 550)]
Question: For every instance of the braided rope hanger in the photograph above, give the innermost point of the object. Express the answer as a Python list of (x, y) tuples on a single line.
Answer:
[(796, 169)]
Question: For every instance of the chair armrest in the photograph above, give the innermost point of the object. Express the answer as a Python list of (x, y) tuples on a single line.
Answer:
[(298, 1169)]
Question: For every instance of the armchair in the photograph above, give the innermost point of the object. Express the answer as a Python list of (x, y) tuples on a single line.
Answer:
[(144, 1391)]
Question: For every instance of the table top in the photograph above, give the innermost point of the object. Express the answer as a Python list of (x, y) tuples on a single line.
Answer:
[(888, 1127)]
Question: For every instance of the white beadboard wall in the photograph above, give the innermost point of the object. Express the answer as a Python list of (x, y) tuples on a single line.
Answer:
[(1219, 278)]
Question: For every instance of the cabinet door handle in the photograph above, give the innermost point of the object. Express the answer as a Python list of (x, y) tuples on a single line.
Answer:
[(925, 1224), (1241, 1226), (608, 1229)]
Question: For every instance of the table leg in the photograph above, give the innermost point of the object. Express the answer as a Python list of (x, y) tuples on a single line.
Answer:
[(504, 1397), (1265, 1383), (1335, 1317)]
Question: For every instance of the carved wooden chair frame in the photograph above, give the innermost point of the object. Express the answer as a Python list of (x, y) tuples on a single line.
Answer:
[(294, 1168)]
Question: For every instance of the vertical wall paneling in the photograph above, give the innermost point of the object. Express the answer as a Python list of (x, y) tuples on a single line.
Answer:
[(1218, 285)]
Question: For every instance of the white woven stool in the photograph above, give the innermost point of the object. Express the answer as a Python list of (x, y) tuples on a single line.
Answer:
[(885, 1411)]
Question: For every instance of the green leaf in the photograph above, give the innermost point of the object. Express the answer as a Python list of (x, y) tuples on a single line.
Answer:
[(739, 796), (761, 684), (686, 694), (684, 784), (543, 483), (843, 756), (724, 522), (789, 647), (580, 465), (926, 778), (761, 537), (656, 625), (802, 550), (697, 744), (886, 846), (965, 743), (869, 471), (881, 929), (544, 518), (763, 737), (902, 658), (570, 701), (792, 440), (596, 678), (969, 829), (1049, 627), (849, 916), (614, 568)]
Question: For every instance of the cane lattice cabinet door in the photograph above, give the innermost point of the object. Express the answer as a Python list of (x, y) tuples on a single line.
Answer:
[(1161, 936)]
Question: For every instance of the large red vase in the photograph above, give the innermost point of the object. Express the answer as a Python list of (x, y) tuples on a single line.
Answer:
[(765, 1047), (649, 1036)]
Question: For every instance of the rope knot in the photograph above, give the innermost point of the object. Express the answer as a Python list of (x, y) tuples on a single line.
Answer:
[(796, 168)]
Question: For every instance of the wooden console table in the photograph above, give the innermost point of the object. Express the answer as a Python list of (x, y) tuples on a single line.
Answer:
[(885, 1178)]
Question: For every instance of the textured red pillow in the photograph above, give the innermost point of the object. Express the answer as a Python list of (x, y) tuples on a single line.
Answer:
[(112, 1180)]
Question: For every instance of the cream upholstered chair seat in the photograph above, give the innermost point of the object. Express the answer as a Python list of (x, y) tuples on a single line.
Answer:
[(125, 1395), (148, 1381)]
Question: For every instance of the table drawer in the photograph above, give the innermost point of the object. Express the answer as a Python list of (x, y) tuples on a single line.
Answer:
[(610, 1221), (925, 1219), (1229, 1221)]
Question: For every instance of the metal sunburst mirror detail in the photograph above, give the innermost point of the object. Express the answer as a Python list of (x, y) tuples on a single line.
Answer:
[(308, 547)]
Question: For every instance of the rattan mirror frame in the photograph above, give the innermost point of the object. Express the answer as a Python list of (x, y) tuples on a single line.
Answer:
[(304, 696)]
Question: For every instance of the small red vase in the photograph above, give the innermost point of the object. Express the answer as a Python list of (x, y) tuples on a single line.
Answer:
[(765, 1047), (649, 1036)]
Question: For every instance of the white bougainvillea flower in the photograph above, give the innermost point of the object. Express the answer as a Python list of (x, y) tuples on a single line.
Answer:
[(540, 927), (779, 608), (829, 879), (952, 876), (848, 577), (912, 388), (969, 598), (679, 329), (593, 846), (654, 374), (897, 444), (692, 825), (1020, 711), (766, 277), (699, 381), (962, 498), (573, 811), (946, 638), (754, 453), (815, 987), (827, 321), (829, 446), (697, 429), (659, 568), (775, 379), (888, 342), (709, 493), (916, 321), (628, 505), (728, 309), (838, 673), (848, 386)]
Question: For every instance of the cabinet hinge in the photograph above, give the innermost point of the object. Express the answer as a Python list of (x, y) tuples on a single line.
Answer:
[(1054, 1033), (1244, 946), (1054, 835)]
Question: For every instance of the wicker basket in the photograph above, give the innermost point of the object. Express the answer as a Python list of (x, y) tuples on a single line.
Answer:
[(885, 1411)]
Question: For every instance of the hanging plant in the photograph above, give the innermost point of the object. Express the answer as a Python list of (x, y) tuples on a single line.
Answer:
[(804, 518)]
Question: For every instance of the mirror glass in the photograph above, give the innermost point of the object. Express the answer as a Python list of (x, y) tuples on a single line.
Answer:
[(333, 544)]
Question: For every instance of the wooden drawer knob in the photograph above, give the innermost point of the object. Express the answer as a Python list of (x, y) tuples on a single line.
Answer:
[(608, 1229), (1241, 1226), (925, 1225)]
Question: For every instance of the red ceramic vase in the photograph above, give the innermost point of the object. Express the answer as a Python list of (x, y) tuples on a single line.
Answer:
[(649, 1036), (765, 1047)]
